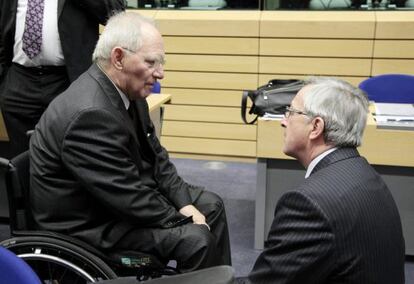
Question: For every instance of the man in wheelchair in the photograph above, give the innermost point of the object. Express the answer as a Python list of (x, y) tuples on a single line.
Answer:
[(99, 173)]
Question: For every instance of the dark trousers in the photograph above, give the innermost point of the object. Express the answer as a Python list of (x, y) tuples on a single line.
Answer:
[(192, 246), (25, 94)]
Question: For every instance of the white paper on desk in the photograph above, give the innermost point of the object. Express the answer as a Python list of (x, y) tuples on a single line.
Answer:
[(270, 116), (389, 109), (395, 118)]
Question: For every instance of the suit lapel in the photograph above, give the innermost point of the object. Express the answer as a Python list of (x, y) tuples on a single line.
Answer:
[(61, 3), (14, 8), (10, 20), (112, 94), (335, 156), (142, 128), (143, 114), (139, 130)]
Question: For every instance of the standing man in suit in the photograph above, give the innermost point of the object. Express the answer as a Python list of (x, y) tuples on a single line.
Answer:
[(99, 173), (341, 225), (44, 45)]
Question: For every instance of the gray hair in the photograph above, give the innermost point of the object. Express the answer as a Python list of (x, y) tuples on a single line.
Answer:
[(123, 30), (342, 106)]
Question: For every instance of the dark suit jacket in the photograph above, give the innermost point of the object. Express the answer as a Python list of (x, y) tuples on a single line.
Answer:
[(340, 226), (89, 175), (78, 24)]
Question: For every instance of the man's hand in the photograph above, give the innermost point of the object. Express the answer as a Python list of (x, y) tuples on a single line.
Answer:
[(198, 217)]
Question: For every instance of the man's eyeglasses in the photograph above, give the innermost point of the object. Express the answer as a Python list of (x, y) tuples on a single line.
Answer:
[(152, 63), (290, 110)]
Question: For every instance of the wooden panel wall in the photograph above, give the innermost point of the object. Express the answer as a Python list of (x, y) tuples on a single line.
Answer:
[(297, 44), (211, 58), (213, 55), (394, 43)]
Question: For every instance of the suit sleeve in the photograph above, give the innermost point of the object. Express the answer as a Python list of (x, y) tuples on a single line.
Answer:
[(95, 150), (2, 64), (300, 244), (170, 183), (101, 10)]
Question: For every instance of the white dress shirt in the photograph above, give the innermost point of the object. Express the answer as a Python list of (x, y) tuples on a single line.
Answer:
[(51, 50), (315, 161)]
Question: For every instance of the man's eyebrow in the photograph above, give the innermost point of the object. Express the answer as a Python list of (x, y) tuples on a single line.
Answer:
[(155, 57)]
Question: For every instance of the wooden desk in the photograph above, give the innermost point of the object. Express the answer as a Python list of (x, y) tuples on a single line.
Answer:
[(379, 146), (389, 151), (3, 131), (155, 102)]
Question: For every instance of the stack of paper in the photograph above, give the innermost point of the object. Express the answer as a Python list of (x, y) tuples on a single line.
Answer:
[(270, 116), (394, 115)]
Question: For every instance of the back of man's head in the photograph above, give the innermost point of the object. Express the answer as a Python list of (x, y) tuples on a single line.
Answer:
[(342, 106), (123, 30)]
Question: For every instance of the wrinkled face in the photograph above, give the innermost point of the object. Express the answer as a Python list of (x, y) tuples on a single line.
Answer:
[(144, 67), (297, 128)]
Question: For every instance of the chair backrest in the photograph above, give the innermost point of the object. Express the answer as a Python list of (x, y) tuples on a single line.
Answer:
[(14, 270), (390, 88), (17, 177), (156, 88), (329, 4)]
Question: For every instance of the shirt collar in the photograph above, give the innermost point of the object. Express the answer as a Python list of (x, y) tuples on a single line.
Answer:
[(315, 161)]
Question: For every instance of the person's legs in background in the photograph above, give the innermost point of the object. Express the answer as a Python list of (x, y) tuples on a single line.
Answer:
[(26, 93)]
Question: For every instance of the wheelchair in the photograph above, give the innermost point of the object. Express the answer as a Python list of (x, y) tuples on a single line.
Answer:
[(58, 258), (61, 259)]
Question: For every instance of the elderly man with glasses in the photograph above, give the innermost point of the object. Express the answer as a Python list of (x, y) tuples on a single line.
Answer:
[(341, 225), (99, 172)]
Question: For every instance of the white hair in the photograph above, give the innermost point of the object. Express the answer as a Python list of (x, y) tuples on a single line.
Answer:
[(342, 106), (123, 30)]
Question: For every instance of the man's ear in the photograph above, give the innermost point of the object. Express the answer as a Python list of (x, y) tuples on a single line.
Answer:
[(117, 56), (318, 127)]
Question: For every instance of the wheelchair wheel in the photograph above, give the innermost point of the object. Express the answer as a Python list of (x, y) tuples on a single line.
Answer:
[(59, 262)]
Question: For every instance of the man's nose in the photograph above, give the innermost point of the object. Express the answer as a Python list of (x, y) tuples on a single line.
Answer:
[(159, 72)]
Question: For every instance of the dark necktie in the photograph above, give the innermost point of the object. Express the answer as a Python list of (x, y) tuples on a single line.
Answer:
[(32, 35), (132, 114)]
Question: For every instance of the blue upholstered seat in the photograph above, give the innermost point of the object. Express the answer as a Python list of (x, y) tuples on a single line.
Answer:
[(390, 88), (156, 89), (14, 270)]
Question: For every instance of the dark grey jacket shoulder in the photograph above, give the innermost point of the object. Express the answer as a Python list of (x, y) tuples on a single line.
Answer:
[(341, 225)]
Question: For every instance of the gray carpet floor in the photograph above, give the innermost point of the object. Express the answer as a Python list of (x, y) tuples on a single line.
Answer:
[(235, 183)]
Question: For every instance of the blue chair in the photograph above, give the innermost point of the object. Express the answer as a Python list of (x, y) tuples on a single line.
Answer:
[(390, 88), (15, 270), (156, 89)]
